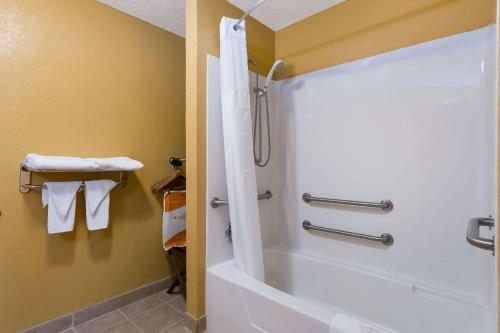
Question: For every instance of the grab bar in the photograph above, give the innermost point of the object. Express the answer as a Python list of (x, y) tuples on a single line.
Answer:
[(385, 205), (385, 239), (473, 233), (216, 202)]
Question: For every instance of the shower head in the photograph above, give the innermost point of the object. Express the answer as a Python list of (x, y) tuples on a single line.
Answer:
[(278, 65)]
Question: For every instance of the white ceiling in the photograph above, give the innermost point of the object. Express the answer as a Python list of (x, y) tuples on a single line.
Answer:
[(166, 14), (277, 14), (170, 14)]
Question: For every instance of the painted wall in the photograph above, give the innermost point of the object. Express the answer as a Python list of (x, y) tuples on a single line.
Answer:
[(202, 38), (79, 78), (357, 28)]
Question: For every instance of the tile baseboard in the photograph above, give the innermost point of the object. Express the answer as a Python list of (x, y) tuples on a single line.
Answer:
[(196, 325), (91, 312)]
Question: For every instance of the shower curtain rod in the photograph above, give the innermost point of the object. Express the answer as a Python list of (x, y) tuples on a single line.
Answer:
[(237, 25)]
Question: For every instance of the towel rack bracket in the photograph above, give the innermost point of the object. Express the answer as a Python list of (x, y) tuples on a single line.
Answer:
[(24, 179)]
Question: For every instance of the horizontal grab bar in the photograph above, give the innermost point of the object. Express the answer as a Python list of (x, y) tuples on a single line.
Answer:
[(385, 239), (216, 202), (385, 205), (473, 233)]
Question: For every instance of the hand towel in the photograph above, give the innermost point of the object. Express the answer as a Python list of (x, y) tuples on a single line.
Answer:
[(116, 163), (97, 203), (41, 162), (60, 197)]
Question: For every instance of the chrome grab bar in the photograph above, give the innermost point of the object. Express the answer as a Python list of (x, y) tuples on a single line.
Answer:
[(385, 239), (473, 236), (385, 205), (216, 202)]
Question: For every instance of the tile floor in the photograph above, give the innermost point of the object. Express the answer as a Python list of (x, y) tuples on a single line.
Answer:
[(158, 313)]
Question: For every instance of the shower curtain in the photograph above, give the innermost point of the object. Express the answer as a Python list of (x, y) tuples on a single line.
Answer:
[(238, 149)]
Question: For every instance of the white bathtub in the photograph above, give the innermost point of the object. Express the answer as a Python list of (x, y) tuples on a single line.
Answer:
[(303, 294)]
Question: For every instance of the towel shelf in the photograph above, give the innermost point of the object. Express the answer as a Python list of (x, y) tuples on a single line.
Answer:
[(25, 177)]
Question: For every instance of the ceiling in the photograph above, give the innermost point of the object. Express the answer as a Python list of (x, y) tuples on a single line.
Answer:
[(170, 14), (277, 14), (166, 14)]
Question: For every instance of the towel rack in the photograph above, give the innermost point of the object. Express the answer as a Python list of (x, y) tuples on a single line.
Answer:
[(385, 239), (25, 176), (385, 205), (216, 202)]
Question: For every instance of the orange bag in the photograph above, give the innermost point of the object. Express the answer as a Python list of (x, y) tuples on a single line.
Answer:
[(174, 220)]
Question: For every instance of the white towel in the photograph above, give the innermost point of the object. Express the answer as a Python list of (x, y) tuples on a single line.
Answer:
[(345, 324), (60, 197), (41, 162), (70, 163), (97, 203), (116, 163)]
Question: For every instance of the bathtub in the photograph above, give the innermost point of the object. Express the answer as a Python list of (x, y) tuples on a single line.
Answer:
[(303, 294)]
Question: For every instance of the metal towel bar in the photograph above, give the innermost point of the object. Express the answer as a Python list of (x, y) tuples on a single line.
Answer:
[(473, 236), (216, 202), (385, 205), (385, 239), (25, 177)]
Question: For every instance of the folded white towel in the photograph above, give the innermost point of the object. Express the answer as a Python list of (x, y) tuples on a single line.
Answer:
[(41, 162), (345, 324), (70, 163), (60, 197), (97, 203), (116, 163)]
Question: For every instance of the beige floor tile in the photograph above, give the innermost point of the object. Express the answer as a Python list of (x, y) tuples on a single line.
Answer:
[(177, 328), (124, 327), (140, 306), (157, 319), (101, 323), (168, 297), (179, 304)]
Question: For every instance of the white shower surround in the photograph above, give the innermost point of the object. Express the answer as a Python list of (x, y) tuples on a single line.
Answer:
[(416, 126)]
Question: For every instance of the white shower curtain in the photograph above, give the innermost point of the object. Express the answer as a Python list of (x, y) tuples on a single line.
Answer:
[(238, 149)]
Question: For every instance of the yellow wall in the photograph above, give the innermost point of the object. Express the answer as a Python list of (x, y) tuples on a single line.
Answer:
[(79, 78), (359, 28), (203, 18)]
